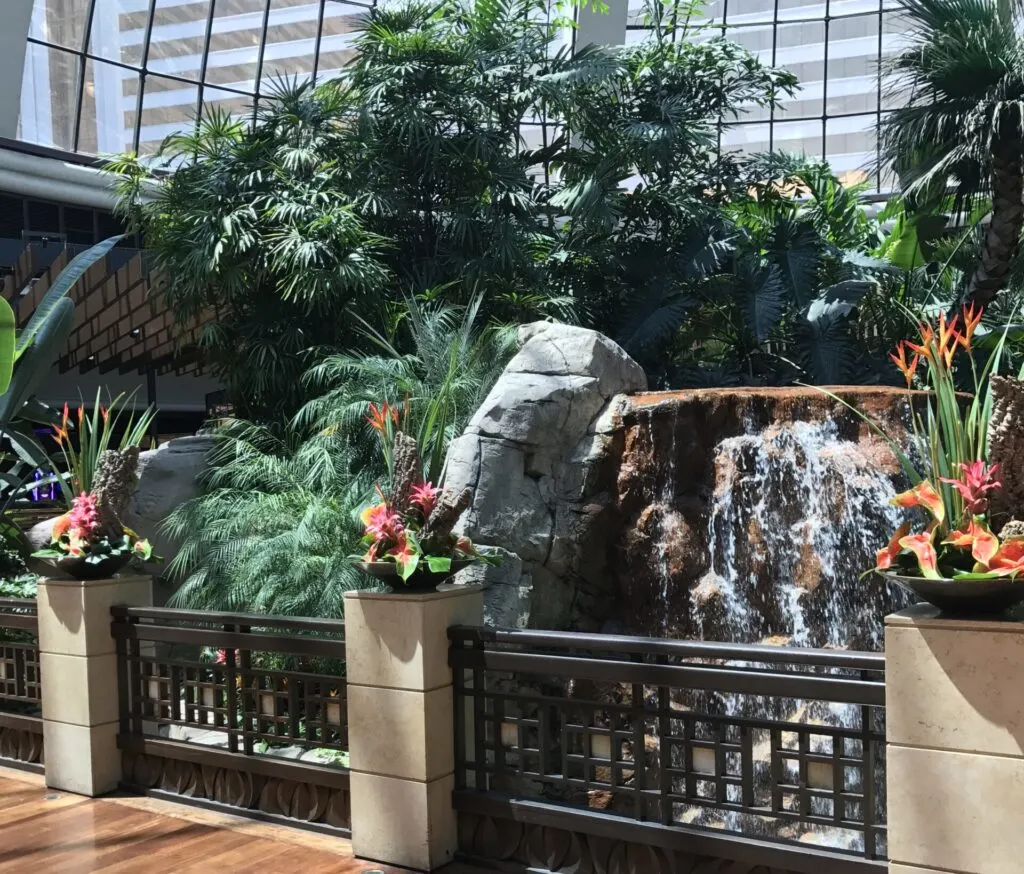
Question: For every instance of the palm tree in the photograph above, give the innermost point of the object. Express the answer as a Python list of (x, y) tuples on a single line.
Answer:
[(963, 125)]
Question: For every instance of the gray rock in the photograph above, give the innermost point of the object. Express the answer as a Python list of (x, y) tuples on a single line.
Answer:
[(533, 454), (167, 479)]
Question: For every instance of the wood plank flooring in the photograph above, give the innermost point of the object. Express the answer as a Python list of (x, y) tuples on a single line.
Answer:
[(47, 832)]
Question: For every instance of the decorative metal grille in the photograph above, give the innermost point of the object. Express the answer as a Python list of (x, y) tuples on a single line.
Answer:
[(255, 688), (20, 685), (779, 744)]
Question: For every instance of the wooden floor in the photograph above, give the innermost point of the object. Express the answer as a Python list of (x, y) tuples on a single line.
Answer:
[(48, 832)]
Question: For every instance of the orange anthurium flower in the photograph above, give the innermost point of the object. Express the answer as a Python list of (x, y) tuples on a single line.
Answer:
[(982, 543), (923, 495), (885, 557), (1010, 557), (927, 558), (60, 527)]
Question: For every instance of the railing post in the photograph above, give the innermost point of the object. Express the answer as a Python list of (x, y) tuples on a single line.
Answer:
[(401, 722), (81, 687), (955, 743)]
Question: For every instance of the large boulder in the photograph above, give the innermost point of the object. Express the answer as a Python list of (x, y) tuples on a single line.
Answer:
[(167, 479), (534, 454)]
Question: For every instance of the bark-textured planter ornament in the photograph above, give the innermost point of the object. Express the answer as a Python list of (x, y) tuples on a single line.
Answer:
[(90, 542)]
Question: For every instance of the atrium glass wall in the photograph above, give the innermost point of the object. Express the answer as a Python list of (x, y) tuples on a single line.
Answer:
[(104, 76), (834, 47)]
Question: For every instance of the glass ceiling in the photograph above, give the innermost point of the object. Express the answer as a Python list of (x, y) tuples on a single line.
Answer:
[(105, 76)]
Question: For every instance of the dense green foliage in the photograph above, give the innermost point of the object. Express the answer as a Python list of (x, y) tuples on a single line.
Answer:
[(376, 238), (277, 524), (963, 126)]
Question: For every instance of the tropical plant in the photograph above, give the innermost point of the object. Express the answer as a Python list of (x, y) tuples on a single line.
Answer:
[(81, 534), (94, 433), (35, 349), (274, 529), (410, 527), (963, 123), (451, 364), (444, 96), (642, 181), (948, 462), (253, 234)]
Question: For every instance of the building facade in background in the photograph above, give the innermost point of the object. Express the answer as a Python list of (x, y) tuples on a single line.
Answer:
[(105, 76)]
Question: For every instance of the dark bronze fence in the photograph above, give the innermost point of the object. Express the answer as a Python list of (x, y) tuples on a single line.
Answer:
[(21, 723), (235, 709), (577, 750)]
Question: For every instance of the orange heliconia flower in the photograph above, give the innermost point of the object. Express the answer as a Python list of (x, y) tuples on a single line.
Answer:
[(972, 318), (907, 368), (379, 416)]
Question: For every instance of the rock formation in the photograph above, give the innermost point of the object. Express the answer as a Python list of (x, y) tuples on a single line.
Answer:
[(534, 455), (736, 514)]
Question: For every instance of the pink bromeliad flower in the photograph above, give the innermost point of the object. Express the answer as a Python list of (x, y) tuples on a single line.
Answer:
[(381, 522), (424, 498), (976, 480)]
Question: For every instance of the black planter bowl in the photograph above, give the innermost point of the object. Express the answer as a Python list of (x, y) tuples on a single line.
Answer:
[(964, 597), (422, 580), (81, 569)]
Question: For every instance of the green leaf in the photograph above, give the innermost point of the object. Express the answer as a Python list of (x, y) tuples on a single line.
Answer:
[(7, 340), (439, 564)]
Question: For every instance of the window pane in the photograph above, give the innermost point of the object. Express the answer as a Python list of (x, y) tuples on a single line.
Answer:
[(179, 38), (108, 109), (168, 107), (48, 93), (61, 22)]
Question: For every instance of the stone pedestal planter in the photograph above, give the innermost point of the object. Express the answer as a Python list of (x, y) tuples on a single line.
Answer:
[(80, 695), (955, 752), (400, 722)]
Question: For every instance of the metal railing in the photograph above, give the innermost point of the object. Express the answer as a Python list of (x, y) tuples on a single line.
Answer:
[(658, 740), (21, 723), (262, 698)]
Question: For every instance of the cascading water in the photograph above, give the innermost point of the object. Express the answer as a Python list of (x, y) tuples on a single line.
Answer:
[(796, 517)]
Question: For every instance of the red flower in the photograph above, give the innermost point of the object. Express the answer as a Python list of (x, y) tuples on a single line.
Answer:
[(406, 555), (381, 523), (923, 495), (424, 497), (927, 558), (379, 416), (976, 480), (886, 556), (1010, 557), (464, 545)]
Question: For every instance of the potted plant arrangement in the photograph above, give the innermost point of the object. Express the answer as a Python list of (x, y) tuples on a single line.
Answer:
[(953, 558), (408, 539), (90, 541)]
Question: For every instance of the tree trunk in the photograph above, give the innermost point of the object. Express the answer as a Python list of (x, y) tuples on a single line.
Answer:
[(1006, 448), (1002, 236)]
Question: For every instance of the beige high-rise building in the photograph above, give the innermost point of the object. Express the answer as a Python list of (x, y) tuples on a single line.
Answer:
[(104, 76)]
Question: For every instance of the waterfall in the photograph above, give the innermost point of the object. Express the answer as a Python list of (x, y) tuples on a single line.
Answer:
[(795, 519)]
